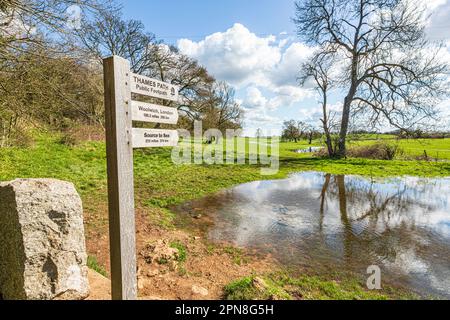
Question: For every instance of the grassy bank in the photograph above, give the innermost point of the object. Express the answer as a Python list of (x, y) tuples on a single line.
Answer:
[(284, 286)]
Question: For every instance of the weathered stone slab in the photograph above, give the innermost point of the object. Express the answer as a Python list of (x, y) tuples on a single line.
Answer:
[(42, 244)]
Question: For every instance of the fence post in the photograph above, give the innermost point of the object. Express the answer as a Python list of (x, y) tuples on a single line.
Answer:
[(122, 229)]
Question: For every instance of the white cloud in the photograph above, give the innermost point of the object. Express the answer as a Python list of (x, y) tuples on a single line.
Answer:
[(265, 68), (284, 97), (254, 99), (434, 4), (256, 108), (287, 69), (241, 58), (236, 55), (261, 118), (438, 23)]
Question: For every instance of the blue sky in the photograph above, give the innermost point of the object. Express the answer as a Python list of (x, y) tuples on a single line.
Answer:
[(195, 19), (251, 44)]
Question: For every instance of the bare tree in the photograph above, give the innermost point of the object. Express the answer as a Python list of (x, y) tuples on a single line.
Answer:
[(390, 73), (223, 111), (291, 131), (319, 70), (229, 112), (109, 34), (23, 21)]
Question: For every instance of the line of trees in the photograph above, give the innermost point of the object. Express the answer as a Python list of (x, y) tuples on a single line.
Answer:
[(299, 130), (51, 71)]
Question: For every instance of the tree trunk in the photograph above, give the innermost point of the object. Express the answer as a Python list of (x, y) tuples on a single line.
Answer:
[(325, 123), (347, 105), (344, 128)]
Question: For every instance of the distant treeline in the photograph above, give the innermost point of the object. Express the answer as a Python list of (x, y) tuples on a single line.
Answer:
[(51, 69), (414, 134), (294, 131)]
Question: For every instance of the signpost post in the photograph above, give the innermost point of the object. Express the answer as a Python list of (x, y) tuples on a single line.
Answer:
[(121, 138)]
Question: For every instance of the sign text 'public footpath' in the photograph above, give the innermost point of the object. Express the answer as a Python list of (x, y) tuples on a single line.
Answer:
[(153, 88)]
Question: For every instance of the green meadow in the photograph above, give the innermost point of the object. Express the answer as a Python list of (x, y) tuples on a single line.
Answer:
[(160, 183)]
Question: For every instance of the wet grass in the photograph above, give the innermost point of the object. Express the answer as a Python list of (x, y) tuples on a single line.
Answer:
[(281, 286)]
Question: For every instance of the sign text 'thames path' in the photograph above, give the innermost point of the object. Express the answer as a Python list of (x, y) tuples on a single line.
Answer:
[(153, 88), (147, 112), (147, 138)]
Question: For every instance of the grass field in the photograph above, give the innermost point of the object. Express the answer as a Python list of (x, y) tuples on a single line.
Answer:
[(160, 183), (434, 148)]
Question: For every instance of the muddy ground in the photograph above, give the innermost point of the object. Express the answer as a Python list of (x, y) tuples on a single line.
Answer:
[(204, 273)]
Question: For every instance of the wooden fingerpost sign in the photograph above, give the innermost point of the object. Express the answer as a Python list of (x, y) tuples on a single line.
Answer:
[(121, 138)]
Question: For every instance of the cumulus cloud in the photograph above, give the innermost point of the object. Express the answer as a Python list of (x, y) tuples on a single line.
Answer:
[(265, 68), (287, 69), (256, 108), (255, 99), (241, 58), (439, 17), (236, 55), (284, 96)]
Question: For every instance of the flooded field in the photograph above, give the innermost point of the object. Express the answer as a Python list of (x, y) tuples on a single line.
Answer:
[(332, 223)]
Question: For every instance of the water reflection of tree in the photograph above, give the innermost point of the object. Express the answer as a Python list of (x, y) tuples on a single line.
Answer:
[(360, 201), (376, 223)]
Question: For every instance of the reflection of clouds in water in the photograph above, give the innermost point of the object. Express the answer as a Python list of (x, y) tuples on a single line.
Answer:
[(408, 262), (437, 221), (400, 221), (426, 198), (259, 191)]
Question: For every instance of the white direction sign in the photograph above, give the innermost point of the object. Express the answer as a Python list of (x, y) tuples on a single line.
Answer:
[(148, 112), (147, 138), (153, 88)]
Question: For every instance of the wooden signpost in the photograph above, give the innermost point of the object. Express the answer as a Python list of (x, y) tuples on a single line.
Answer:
[(121, 138)]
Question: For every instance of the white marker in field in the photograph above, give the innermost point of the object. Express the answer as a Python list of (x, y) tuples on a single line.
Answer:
[(147, 112), (153, 88), (150, 138)]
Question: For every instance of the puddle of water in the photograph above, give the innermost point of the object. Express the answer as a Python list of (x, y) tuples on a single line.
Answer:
[(309, 150), (340, 223)]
